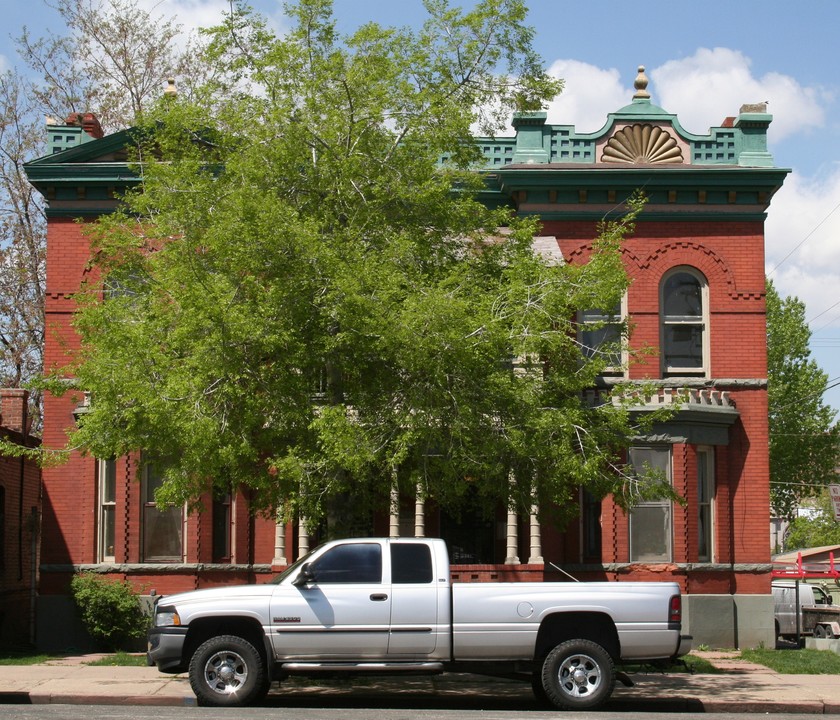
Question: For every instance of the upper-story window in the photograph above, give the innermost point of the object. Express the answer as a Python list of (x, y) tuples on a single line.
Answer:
[(601, 335), (684, 308)]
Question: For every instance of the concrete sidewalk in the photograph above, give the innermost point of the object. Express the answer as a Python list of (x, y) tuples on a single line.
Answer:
[(743, 687)]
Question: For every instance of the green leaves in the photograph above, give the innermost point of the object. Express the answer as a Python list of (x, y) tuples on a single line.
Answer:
[(314, 307), (804, 440)]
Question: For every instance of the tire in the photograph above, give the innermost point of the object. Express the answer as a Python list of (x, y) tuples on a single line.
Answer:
[(539, 691), (820, 632), (578, 675), (228, 671)]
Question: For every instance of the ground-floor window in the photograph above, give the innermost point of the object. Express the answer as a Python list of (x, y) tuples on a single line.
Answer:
[(705, 504), (163, 528), (107, 493), (221, 528), (651, 520)]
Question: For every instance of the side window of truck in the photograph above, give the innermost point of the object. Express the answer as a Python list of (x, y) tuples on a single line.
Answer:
[(820, 597), (352, 563), (410, 563)]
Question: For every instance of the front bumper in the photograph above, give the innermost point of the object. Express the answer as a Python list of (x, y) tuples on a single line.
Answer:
[(165, 648)]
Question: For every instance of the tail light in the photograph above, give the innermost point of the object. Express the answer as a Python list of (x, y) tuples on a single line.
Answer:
[(675, 609)]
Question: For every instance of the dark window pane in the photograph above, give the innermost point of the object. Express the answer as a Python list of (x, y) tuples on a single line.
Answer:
[(109, 481), (684, 346), (410, 563), (221, 529), (358, 563), (682, 296)]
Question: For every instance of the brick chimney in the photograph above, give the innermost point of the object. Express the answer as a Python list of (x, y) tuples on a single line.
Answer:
[(77, 128), (88, 122), (14, 412)]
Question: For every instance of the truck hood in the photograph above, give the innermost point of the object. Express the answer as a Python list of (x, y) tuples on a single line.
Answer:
[(213, 595)]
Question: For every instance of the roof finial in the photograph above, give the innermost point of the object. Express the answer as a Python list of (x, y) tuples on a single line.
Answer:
[(170, 90), (641, 84)]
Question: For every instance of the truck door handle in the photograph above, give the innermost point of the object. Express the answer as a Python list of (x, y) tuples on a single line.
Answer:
[(379, 597)]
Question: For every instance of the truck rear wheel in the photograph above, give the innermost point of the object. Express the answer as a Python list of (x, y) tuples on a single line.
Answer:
[(228, 671), (578, 675)]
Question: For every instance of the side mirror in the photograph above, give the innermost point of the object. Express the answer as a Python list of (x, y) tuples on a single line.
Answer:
[(305, 576)]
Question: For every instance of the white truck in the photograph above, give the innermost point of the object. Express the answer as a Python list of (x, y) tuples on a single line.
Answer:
[(387, 606), (818, 615)]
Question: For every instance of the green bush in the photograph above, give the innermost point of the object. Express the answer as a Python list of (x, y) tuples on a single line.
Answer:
[(110, 610)]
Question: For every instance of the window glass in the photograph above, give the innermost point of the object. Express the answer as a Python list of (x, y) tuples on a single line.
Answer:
[(650, 520), (600, 335), (162, 528), (355, 563), (683, 323), (107, 509), (682, 296), (705, 495), (221, 528), (410, 563)]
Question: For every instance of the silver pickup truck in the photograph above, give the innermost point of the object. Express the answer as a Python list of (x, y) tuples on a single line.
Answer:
[(387, 606)]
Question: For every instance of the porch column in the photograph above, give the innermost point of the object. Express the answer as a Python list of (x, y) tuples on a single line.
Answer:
[(394, 515), (512, 534), (419, 513), (280, 541), (536, 557), (303, 538)]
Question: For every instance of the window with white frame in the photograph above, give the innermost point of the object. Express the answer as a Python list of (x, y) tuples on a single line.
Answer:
[(684, 321), (601, 335), (163, 528), (651, 520), (705, 504), (107, 493)]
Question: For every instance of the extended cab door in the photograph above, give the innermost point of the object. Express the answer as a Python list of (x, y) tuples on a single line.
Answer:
[(416, 597), (343, 613)]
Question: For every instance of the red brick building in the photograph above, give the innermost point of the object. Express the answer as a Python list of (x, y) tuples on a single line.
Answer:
[(697, 298), (20, 507)]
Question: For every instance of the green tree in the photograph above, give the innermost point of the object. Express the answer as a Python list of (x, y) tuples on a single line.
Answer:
[(300, 239), (804, 441), (113, 59), (818, 528)]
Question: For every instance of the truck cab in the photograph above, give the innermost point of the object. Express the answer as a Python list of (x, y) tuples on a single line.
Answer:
[(818, 615)]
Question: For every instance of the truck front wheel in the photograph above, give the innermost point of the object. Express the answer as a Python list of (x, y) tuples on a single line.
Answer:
[(227, 671), (578, 675)]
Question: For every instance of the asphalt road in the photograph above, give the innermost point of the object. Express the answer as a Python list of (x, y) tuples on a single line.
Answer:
[(100, 712)]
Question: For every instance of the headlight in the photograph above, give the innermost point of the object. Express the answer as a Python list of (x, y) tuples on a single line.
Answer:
[(166, 618)]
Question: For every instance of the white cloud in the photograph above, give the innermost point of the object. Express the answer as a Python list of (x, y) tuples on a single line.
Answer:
[(4, 64), (194, 14), (803, 255), (713, 84), (590, 94)]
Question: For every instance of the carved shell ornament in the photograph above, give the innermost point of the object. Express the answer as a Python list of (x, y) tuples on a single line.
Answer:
[(642, 144)]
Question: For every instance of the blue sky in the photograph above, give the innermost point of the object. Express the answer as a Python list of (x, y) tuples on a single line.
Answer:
[(704, 61)]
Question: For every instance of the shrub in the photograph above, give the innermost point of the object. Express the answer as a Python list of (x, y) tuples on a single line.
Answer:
[(110, 609)]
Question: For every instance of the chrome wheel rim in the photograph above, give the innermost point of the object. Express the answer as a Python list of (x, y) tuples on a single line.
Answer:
[(225, 672), (579, 676)]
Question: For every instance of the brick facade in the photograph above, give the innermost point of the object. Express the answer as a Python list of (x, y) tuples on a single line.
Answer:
[(20, 507), (705, 213)]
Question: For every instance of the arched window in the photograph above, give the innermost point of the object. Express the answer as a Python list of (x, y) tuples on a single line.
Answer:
[(684, 317)]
